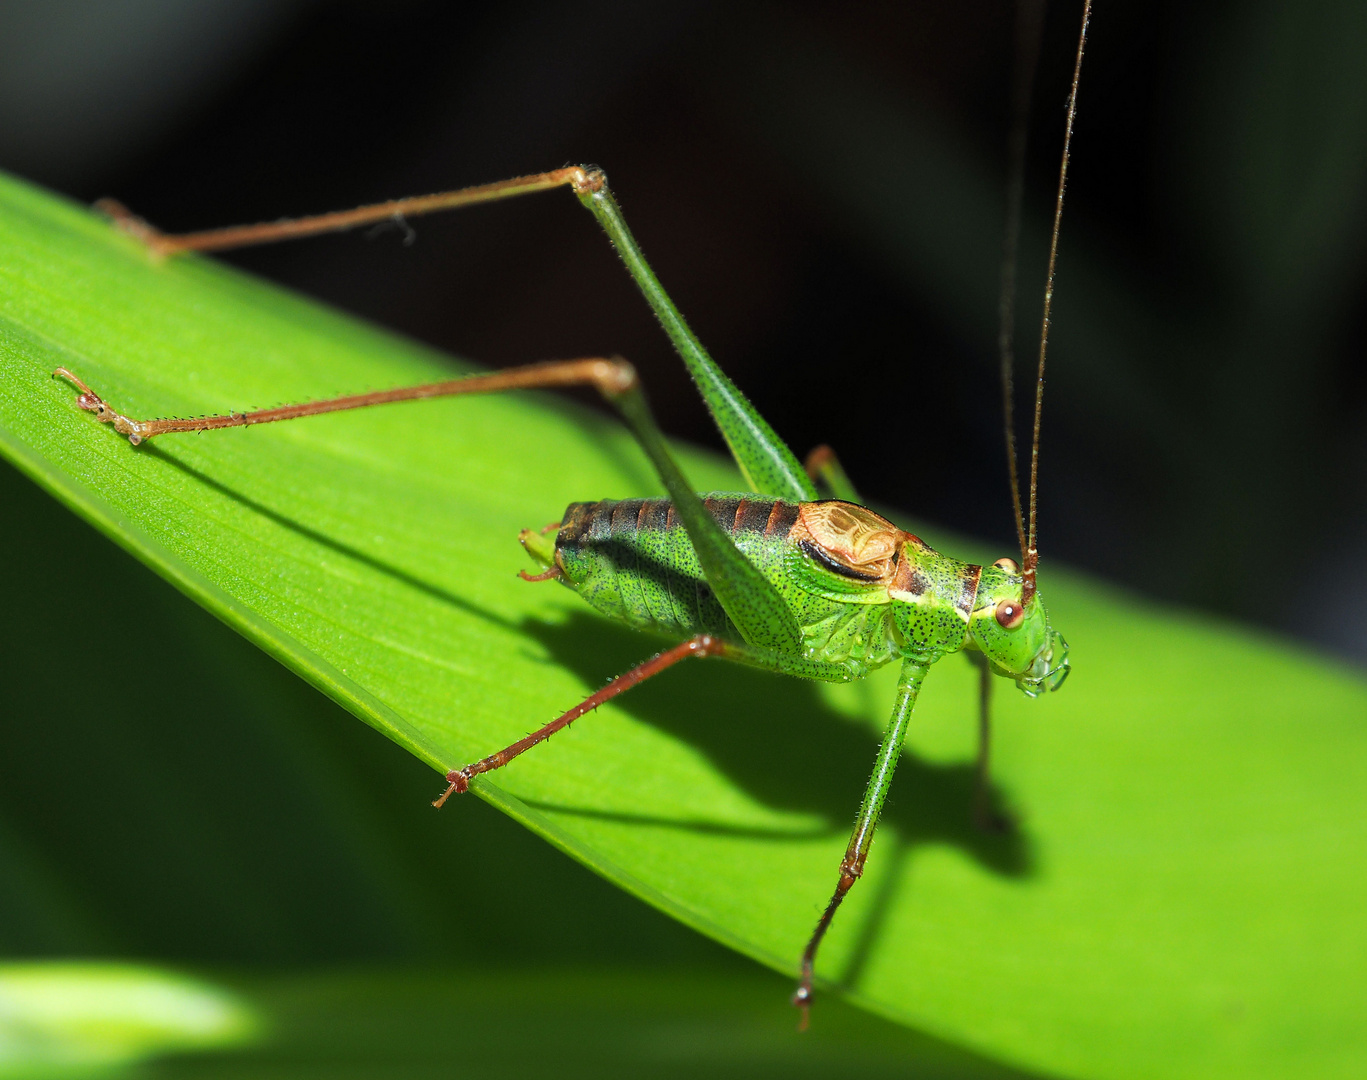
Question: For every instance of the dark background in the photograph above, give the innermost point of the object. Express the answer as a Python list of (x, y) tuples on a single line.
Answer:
[(820, 186)]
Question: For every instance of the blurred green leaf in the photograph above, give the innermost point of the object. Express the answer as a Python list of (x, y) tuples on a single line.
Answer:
[(1182, 896), (548, 1022), (75, 1020), (62, 1021)]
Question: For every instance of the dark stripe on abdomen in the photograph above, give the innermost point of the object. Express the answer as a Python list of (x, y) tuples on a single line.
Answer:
[(628, 557), (588, 522)]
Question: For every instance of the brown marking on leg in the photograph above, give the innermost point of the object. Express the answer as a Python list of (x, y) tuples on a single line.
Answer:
[(458, 780), (818, 459), (545, 575), (824, 469)]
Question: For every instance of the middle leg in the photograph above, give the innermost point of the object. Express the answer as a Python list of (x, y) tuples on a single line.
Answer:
[(825, 470), (458, 780)]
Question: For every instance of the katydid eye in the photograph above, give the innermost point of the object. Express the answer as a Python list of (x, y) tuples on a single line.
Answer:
[(1009, 565), (1010, 614)]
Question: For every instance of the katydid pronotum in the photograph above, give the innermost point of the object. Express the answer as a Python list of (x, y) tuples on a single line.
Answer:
[(776, 577)]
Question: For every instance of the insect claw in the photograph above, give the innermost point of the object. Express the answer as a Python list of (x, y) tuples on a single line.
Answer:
[(92, 402), (459, 784), (75, 380), (802, 999)]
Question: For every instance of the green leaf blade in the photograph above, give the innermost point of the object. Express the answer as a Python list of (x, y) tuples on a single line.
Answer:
[(1182, 896)]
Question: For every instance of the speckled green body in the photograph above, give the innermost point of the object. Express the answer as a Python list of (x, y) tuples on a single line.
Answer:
[(633, 561)]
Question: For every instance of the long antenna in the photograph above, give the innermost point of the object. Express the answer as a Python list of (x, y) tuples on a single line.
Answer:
[(1031, 555), (1029, 30)]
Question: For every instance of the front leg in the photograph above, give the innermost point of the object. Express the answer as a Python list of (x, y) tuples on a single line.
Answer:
[(852, 865), (700, 645)]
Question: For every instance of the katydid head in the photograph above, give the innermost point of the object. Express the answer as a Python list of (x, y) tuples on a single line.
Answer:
[(1016, 638)]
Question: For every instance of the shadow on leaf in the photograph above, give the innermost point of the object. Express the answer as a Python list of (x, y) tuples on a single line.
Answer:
[(776, 738)]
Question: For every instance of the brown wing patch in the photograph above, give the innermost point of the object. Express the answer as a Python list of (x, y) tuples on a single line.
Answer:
[(969, 577), (849, 539)]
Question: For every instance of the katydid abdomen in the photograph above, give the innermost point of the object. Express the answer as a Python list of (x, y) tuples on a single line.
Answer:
[(841, 569), (631, 559)]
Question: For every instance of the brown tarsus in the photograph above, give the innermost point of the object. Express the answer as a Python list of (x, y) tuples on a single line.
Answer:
[(851, 869)]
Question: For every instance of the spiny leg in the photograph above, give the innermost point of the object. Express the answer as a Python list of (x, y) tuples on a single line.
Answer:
[(857, 852), (753, 604), (458, 780), (825, 470), (769, 466), (608, 376)]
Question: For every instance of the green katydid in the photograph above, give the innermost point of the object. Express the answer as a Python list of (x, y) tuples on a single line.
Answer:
[(775, 577)]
